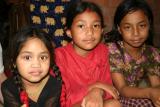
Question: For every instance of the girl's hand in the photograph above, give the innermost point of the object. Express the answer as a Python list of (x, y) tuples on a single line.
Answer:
[(155, 96), (111, 90), (24, 105), (108, 88), (94, 98)]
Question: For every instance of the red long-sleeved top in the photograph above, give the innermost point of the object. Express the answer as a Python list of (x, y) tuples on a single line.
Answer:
[(79, 72)]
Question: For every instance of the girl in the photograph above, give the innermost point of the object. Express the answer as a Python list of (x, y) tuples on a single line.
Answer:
[(83, 62), (30, 58), (132, 60)]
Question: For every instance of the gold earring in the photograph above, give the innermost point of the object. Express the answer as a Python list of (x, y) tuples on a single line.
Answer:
[(14, 66)]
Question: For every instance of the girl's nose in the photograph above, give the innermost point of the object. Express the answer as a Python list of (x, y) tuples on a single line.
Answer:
[(136, 31), (89, 31), (36, 63)]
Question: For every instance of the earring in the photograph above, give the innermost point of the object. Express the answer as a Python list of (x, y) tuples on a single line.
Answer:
[(14, 66)]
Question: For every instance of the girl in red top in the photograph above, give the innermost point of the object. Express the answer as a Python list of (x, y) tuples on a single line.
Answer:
[(84, 62)]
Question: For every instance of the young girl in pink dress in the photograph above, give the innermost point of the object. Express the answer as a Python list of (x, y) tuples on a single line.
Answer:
[(132, 59)]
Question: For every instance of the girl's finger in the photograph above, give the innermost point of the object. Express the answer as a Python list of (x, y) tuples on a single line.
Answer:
[(83, 103), (24, 105)]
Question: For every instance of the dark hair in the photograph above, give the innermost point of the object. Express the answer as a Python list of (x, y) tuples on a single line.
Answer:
[(4, 23), (122, 10), (77, 8)]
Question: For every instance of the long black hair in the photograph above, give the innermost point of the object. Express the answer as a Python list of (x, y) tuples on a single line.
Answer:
[(122, 10)]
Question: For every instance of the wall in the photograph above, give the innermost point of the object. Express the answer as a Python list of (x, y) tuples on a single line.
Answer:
[(108, 8)]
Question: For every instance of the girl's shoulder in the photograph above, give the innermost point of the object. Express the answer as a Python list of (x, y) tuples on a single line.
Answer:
[(64, 48), (111, 45), (62, 51), (101, 46), (153, 59), (8, 82), (112, 48), (8, 86), (151, 51), (152, 48)]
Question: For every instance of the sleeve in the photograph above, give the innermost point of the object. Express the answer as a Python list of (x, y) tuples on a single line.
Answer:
[(77, 95), (109, 82), (10, 100), (73, 98), (115, 59), (154, 62)]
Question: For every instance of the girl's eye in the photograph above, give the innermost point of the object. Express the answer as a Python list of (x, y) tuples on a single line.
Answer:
[(81, 26), (127, 27), (143, 25), (97, 26), (44, 58), (27, 57)]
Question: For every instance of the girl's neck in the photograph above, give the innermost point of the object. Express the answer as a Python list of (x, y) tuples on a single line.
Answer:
[(34, 89), (135, 52), (81, 52)]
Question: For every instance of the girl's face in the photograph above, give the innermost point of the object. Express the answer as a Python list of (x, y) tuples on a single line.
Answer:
[(33, 61), (134, 29), (85, 32)]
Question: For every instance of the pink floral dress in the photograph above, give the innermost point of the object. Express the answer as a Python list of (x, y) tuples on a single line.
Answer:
[(134, 71)]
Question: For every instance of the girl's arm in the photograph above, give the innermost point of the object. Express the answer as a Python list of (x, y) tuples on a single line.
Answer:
[(24, 105), (2, 78), (94, 97), (152, 93), (105, 87), (155, 93), (154, 80), (127, 91)]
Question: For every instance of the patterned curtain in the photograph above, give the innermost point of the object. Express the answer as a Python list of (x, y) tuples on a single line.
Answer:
[(49, 15)]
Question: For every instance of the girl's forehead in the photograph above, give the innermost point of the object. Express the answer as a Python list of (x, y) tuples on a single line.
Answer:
[(33, 43), (31, 40), (92, 15), (133, 16)]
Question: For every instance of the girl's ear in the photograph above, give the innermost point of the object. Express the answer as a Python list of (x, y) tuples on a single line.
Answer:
[(14, 66), (119, 30), (102, 30), (68, 32)]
